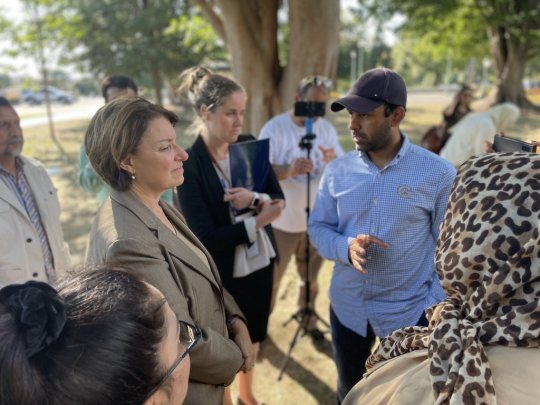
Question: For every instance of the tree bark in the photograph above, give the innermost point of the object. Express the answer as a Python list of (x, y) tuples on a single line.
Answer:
[(157, 83), (250, 31), (510, 63), (510, 44)]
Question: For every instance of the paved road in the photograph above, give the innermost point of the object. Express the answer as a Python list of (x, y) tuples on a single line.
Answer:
[(32, 116), (86, 107)]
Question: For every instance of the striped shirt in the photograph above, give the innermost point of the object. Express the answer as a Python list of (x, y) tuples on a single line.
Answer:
[(403, 204)]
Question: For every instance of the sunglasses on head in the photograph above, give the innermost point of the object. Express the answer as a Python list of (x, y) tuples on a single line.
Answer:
[(317, 81)]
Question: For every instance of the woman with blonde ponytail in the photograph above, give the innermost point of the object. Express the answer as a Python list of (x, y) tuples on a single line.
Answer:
[(209, 201)]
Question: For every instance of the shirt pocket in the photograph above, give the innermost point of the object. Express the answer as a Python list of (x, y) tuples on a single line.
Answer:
[(49, 202)]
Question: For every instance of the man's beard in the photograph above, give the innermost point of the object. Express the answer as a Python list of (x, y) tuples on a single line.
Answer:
[(13, 148)]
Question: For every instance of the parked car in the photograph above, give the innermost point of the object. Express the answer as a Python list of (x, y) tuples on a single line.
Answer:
[(55, 96)]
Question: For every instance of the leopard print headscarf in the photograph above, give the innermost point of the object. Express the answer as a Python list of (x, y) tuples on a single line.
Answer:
[(488, 260)]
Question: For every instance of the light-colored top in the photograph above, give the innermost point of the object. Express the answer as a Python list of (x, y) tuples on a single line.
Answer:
[(284, 137), (185, 240), (406, 380), (21, 256), (403, 204), (470, 134), (18, 184), (91, 182)]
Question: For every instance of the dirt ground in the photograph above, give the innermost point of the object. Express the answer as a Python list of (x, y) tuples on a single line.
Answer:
[(310, 377)]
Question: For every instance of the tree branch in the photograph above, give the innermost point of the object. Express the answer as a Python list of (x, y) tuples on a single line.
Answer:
[(215, 20)]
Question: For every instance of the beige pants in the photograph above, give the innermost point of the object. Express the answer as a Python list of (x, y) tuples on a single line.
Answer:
[(295, 243)]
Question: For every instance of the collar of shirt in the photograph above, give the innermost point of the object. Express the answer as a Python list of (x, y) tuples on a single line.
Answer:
[(19, 164), (405, 146)]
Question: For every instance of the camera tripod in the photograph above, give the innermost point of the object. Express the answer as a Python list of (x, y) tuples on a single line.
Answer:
[(307, 312)]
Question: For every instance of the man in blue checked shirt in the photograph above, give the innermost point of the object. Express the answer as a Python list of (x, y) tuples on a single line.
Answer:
[(377, 215)]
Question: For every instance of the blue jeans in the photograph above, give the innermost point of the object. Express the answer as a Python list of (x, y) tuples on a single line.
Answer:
[(351, 352)]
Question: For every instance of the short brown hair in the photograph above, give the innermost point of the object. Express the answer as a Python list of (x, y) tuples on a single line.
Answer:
[(116, 131)]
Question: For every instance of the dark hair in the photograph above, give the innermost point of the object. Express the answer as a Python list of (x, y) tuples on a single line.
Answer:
[(120, 81), (115, 131), (4, 102), (389, 109), (200, 86), (107, 352), (463, 88)]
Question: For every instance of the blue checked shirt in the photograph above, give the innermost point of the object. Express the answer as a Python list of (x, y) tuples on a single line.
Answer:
[(403, 204)]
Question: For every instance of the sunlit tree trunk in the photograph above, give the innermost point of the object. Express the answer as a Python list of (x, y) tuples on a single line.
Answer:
[(250, 31), (510, 58)]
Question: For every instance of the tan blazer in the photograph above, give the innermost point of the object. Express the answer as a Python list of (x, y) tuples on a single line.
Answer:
[(127, 232), (21, 258)]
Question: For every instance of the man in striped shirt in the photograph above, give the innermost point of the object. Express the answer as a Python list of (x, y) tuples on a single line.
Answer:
[(32, 244)]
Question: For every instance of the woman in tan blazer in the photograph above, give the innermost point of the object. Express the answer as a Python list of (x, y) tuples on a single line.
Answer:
[(131, 144)]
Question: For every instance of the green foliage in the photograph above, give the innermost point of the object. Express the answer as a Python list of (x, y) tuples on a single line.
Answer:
[(5, 80), (143, 39), (438, 35), (88, 87), (353, 39), (5, 25)]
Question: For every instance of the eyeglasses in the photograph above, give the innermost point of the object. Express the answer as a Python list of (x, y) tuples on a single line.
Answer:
[(316, 81), (189, 336)]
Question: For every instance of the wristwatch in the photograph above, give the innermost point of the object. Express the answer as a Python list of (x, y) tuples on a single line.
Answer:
[(256, 200)]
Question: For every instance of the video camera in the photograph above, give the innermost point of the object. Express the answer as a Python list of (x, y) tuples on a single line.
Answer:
[(309, 109)]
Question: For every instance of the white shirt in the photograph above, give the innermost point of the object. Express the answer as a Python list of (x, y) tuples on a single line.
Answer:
[(284, 137)]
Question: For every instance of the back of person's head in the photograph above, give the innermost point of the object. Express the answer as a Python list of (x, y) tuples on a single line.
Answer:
[(464, 95), (503, 115), (4, 102), (115, 131), (464, 88), (492, 219), (201, 87), (96, 341), (120, 82), (488, 262)]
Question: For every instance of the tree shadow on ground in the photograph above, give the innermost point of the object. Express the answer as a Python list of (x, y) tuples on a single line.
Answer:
[(294, 370)]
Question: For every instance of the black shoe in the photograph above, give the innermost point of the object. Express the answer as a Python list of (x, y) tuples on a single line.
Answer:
[(316, 335)]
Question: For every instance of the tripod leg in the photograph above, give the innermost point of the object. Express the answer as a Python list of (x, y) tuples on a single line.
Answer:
[(300, 327), (320, 319)]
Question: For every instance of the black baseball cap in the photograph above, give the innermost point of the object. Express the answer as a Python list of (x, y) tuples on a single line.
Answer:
[(372, 89)]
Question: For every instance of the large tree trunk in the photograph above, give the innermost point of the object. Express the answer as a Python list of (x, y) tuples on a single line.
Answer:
[(249, 28), (510, 57), (313, 44)]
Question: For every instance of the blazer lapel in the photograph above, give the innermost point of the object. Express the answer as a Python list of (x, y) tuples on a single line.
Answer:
[(165, 236), (7, 195), (209, 176), (35, 184), (38, 186), (180, 222)]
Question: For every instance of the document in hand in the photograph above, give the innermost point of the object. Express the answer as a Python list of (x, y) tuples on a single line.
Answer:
[(250, 164)]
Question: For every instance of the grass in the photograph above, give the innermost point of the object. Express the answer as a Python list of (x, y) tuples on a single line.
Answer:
[(310, 377)]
